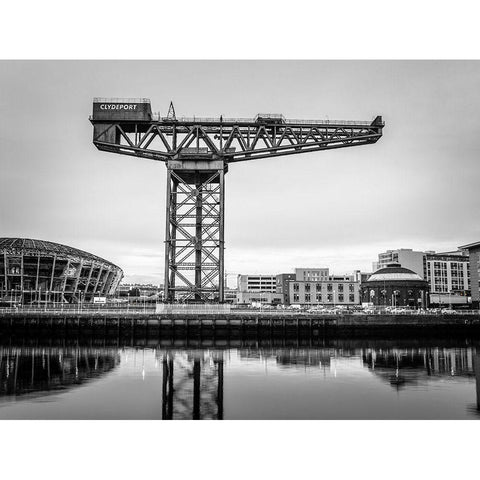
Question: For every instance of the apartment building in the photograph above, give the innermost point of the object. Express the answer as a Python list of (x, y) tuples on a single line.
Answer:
[(406, 257)]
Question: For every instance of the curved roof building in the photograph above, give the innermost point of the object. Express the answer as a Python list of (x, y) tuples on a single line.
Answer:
[(37, 271), (395, 286), (394, 272)]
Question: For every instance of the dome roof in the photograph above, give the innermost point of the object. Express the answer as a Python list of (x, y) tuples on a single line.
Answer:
[(394, 272), (42, 246)]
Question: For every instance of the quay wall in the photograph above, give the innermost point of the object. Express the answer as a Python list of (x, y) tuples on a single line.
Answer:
[(263, 323)]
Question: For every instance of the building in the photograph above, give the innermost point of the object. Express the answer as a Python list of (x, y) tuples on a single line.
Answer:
[(473, 250), (361, 276), (448, 276), (447, 273), (257, 289), (406, 257), (395, 286), (259, 297), (255, 283), (282, 288), (36, 271), (139, 289), (332, 290), (230, 295), (311, 274)]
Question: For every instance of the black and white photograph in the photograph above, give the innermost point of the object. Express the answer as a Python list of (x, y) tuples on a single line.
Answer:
[(240, 257), (289, 243)]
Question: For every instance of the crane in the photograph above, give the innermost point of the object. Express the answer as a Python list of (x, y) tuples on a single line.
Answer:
[(197, 152)]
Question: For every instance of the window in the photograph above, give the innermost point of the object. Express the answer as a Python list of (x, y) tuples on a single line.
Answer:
[(295, 287), (340, 297), (329, 297), (307, 287), (318, 297), (307, 298), (351, 288), (329, 287), (351, 298), (318, 287), (296, 297), (340, 287)]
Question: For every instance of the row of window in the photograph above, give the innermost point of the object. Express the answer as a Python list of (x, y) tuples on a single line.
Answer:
[(318, 298), (318, 287)]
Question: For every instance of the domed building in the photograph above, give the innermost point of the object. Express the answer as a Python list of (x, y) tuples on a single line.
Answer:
[(35, 272), (395, 286)]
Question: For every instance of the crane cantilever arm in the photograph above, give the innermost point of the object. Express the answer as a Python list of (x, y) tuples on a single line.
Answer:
[(233, 141)]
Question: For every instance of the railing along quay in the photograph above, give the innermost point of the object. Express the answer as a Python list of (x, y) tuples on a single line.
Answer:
[(150, 310)]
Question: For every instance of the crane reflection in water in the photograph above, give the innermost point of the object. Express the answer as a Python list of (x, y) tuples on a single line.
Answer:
[(192, 385)]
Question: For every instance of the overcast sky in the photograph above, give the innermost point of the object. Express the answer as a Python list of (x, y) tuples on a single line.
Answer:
[(418, 187)]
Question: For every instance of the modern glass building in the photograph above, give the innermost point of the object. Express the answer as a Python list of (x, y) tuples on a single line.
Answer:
[(33, 272)]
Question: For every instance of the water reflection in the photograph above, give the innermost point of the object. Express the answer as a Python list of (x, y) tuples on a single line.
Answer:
[(192, 385), (402, 367), (252, 378), (42, 370)]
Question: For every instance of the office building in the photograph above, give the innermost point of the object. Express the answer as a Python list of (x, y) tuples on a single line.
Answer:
[(332, 290)]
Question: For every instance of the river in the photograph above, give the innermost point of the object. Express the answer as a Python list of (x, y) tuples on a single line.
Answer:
[(252, 378)]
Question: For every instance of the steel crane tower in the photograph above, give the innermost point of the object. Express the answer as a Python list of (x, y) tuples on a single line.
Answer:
[(197, 152)]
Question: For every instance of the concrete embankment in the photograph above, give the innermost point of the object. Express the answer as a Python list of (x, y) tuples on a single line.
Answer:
[(248, 321)]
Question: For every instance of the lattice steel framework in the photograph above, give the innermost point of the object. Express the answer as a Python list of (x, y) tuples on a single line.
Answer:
[(197, 152), (194, 234)]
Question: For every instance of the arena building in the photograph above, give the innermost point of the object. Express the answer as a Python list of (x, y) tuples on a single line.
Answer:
[(36, 272), (395, 286)]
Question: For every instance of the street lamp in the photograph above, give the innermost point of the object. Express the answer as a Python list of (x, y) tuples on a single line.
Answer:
[(394, 298), (384, 295)]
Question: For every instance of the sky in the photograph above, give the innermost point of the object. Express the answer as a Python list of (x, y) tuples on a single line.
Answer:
[(417, 187)]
